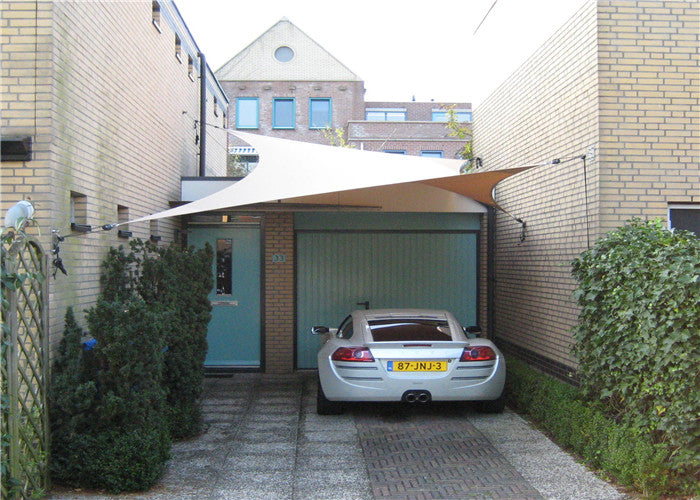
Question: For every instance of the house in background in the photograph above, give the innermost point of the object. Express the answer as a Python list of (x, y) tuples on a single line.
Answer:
[(286, 85), (102, 105), (609, 105)]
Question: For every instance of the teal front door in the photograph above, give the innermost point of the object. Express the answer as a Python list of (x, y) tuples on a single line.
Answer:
[(234, 338)]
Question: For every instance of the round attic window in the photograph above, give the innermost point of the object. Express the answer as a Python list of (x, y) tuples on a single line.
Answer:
[(284, 54)]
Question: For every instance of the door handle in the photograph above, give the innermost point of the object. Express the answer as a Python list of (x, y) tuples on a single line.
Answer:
[(365, 303)]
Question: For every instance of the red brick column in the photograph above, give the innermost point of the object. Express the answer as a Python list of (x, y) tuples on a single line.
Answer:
[(279, 292)]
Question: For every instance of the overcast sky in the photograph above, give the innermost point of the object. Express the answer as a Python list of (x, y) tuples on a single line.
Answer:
[(400, 48)]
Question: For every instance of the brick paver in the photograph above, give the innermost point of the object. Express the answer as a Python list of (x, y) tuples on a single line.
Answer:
[(433, 452)]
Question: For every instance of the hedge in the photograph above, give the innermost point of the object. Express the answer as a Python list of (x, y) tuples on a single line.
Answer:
[(628, 455)]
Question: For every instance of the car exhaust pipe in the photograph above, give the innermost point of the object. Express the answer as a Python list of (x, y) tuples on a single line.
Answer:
[(416, 397)]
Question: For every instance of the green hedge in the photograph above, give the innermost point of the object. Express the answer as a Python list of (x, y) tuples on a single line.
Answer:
[(638, 335), (626, 454)]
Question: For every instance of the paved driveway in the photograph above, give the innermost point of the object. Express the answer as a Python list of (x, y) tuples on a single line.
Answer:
[(264, 440)]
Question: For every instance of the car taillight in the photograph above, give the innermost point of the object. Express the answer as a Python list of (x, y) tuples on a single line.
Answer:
[(352, 354), (479, 353)]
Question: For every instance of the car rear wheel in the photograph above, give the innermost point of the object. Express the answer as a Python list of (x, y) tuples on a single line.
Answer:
[(493, 406), (326, 407)]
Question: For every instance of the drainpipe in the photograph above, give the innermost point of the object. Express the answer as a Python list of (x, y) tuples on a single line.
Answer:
[(491, 272), (202, 115)]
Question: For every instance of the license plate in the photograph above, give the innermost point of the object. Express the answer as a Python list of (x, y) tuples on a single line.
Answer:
[(416, 366)]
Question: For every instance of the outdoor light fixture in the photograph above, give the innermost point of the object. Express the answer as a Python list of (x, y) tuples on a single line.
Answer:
[(124, 234), (20, 211)]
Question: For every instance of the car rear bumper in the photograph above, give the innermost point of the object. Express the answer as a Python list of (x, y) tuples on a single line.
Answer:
[(477, 381)]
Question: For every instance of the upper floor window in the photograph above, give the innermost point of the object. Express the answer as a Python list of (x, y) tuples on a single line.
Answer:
[(461, 115), (395, 151), (319, 113), (156, 14), (283, 112), (385, 114), (247, 112), (178, 48), (431, 154)]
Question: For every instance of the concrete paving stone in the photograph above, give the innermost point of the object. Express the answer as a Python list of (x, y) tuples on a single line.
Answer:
[(255, 484), (266, 462), (331, 484), (330, 436)]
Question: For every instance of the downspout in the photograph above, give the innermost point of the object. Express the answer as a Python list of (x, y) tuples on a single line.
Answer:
[(491, 272), (202, 115)]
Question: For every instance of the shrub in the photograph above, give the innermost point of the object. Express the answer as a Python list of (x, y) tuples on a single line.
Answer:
[(177, 282), (626, 453), (109, 424), (637, 336), (72, 401)]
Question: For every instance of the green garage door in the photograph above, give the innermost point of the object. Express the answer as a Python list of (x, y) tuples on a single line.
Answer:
[(421, 265)]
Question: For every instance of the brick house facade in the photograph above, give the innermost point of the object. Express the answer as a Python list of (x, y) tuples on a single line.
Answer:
[(621, 90), (109, 93)]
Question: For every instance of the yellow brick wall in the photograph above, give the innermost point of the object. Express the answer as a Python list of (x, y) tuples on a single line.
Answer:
[(649, 99), (112, 112), (617, 84)]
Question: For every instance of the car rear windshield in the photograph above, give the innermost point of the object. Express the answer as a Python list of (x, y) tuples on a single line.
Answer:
[(399, 330)]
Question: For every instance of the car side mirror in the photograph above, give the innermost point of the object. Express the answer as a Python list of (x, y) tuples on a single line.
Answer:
[(472, 331), (319, 330)]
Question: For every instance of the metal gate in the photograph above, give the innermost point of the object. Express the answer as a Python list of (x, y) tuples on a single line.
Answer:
[(24, 374)]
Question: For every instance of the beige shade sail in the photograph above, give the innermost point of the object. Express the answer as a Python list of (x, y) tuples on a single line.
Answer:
[(297, 172)]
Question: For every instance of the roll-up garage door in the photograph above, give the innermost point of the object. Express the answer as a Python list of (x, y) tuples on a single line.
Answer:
[(341, 270)]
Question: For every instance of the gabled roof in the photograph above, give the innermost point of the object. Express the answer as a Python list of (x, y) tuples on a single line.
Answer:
[(311, 62)]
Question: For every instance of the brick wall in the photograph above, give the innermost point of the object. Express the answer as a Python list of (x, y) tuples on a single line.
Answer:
[(650, 103), (618, 85), (346, 100), (279, 292), (546, 110), (112, 113)]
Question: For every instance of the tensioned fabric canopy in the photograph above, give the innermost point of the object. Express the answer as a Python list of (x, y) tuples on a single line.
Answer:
[(295, 172)]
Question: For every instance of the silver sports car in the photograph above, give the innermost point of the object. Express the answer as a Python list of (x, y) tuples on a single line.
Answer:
[(409, 355)]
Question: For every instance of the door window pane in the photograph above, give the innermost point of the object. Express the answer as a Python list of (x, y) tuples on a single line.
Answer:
[(224, 267)]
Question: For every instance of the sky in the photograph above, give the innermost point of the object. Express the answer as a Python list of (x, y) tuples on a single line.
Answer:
[(402, 49)]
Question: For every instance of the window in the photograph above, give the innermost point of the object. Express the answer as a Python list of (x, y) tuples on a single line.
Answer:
[(319, 113), (461, 115), (156, 15), (78, 211), (224, 267), (178, 48), (395, 151), (284, 54), (247, 112), (686, 216), (190, 68), (431, 154), (122, 217), (385, 114), (283, 112), (402, 330)]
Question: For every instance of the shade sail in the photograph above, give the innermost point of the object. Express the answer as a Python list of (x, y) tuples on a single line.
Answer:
[(301, 172)]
